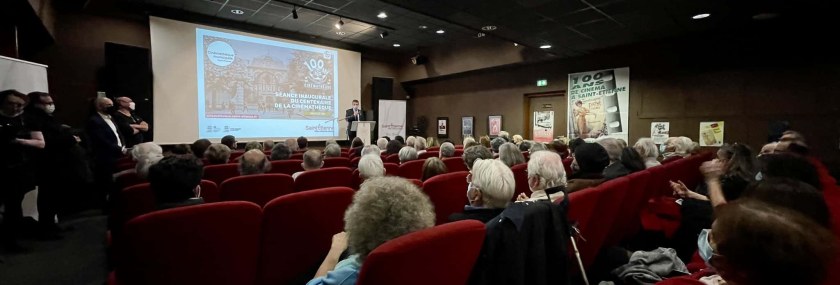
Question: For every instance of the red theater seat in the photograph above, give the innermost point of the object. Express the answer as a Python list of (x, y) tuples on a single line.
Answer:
[(286, 166), (428, 154), (411, 169), (521, 176), (392, 169), (258, 188), (323, 178), (455, 164), (448, 194), (336, 162), (220, 172)]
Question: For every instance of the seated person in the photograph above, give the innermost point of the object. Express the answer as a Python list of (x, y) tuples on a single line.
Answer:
[(447, 149), (546, 177), (420, 145), (302, 144), (431, 167), (253, 162), (591, 159), (510, 154), (491, 187), (217, 154), (199, 147), (383, 209), (615, 169), (229, 141), (268, 145), (281, 151), (371, 166), (175, 180), (471, 154), (332, 150), (407, 154), (253, 145), (382, 143), (312, 160), (371, 149)]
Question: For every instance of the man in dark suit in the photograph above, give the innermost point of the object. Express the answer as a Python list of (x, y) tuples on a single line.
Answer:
[(106, 144), (352, 115)]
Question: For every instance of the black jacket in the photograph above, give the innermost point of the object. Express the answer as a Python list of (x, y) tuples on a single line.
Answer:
[(480, 214)]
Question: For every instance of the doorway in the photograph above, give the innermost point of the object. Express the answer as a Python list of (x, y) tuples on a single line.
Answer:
[(544, 102)]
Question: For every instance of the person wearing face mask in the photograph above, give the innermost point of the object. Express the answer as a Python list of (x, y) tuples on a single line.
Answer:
[(351, 115), (56, 163), (19, 137), (131, 126), (106, 145), (489, 191)]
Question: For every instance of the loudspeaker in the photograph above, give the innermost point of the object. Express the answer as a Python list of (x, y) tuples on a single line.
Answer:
[(128, 72)]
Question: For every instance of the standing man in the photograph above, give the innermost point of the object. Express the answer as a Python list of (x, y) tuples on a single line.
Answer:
[(106, 144), (131, 126), (352, 115)]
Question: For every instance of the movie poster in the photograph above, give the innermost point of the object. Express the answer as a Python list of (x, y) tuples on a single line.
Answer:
[(543, 126), (599, 103), (660, 131), (711, 133)]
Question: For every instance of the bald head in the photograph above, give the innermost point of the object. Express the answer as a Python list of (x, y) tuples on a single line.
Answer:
[(103, 103), (253, 162)]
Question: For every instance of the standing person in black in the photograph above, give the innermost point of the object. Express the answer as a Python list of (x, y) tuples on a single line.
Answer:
[(57, 166), (352, 115), (131, 126), (18, 138), (106, 145)]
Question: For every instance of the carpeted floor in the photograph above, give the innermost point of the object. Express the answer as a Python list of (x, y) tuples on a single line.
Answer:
[(78, 258)]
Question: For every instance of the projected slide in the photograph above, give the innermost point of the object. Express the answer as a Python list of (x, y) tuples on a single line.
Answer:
[(258, 88)]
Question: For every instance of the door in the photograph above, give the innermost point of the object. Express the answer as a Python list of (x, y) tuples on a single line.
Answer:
[(547, 128)]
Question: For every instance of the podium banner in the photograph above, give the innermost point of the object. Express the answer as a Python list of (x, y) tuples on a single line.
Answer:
[(391, 118)]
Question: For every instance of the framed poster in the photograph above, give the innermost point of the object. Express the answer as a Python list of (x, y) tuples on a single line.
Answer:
[(599, 103), (660, 131), (711, 133), (543, 129), (467, 126), (443, 127), (494, 125)]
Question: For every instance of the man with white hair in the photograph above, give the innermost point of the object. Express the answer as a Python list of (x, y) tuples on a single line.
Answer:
[(410, 140), (546, 177), (371, 166), (676, 148), (447, 149), (420, 145), (382, 143), (491, 186), (145, 154), (407, 153), (312, 160), (371, 149), (648, 151), (332, 150)]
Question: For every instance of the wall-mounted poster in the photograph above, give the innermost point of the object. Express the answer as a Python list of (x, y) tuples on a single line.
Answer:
[(543, 126), (494, 125), (467, 126), (711, 133), (659, 131), (599, 103), (443, 127)]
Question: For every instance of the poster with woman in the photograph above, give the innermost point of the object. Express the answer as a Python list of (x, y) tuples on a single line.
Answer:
[(599, 103), (494, 124)]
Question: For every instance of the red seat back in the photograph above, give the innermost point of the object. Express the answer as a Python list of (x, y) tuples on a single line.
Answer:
[(355, 179), (612, 195), (139, 199), (258, 188), (128, 179), (336, 162), (297, 156), (215, 243), (220, 172), (394, 158), (458, 152), (291, 245), (323, 178), (582, 206), (417, 183), (627, 223), (434, 148), (447, 193), (286, 166), (355, 162), (428, 154), (442, 255), (455, 164), (392, 169), (411, 169), (520, 174)]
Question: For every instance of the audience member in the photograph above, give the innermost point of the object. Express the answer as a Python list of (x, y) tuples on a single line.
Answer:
[(254, 162), (431, 167), (491, 187), (217, 154), (175, 180), (546, 177), (473, 153), (312, 160), (281, 151)]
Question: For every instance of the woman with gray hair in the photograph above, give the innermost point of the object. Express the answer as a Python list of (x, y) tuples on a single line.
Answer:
[(371, 149), (383, 209), (647, 149), (546, 177), (510, 155), (410, 140), (420, 145), (371, 166), (146, 154), (491, 186), (407, 153), (382, 143), (468, 140), (332, 150), (676, 148)]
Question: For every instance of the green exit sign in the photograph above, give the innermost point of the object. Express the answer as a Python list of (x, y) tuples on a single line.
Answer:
[(542, 82)]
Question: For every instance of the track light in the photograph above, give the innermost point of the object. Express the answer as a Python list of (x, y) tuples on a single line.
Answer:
[(294, 12), (383, 34), (339, 24)]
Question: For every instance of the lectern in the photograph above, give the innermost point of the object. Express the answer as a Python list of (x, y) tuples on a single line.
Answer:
[(363, 130)]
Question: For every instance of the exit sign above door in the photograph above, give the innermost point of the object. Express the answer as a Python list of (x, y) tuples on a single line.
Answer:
[(542, 82)]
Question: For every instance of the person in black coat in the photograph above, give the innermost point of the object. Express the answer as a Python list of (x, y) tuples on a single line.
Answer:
[(352, 115), (106, 145)]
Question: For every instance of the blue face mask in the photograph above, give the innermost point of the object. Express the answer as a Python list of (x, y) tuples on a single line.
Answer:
[(704, 247)]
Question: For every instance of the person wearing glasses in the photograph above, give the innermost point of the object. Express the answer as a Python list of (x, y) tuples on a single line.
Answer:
[(490, 189)]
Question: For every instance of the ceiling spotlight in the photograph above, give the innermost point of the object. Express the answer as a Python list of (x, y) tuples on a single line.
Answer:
[(382, 15), (396, 45), (545, 46), (488, 28), (441, 31), (700, 16), (422, 27), (294, 12), (515, 44), (237, 12), (383, 34), (339, 24)]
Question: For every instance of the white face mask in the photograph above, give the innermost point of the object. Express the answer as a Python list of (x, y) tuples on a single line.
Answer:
[(131, 106), (49, 109)]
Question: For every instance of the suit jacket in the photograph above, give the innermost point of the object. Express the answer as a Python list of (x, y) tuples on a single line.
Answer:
[(103, 142), (350, 118)]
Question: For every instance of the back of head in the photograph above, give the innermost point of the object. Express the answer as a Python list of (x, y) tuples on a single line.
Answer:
[(302, 143), (548, 166), (790, 166), (768, 148), (468, 140), (357, 142), (504, 135), (407, 153), (613, 148), (383, 209), (537, 146), (280, 151), (646, 148), (393, 147), (229, 141), (631, 160), (292, 144), (420, 143), (495, 181), (471, 154), (382, 143), (524, 146), (484, 141), (371, 166), (332, 150), (174, 178), (573, 144), (433, 166), (683, 145), (496, 143), (217, 154), (410, 141), (253, 145), (181, 149), (591, 158), (199, 147), (447, 149), (741, 160), (560, 148), (268, 145), (431, 142), (754, 239), (510, 155), (792, 194), (517, 139), (400, 139), (253, 162), (793, 136), (312, 159), (146, 155)]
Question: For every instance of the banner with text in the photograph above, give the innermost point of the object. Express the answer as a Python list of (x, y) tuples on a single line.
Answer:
[(660, 131), (599, 103), (391, 118), (543, 126)]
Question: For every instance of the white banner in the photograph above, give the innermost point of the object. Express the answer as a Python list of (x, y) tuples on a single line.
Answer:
[(660, 131), (22, 75), (391, 118), (599, 103), (543, 126)]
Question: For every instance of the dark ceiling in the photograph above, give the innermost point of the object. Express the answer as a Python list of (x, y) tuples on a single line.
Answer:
[(571, 27)]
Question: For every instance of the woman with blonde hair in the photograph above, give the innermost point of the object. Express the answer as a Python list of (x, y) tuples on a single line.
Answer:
[(431, 167)]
